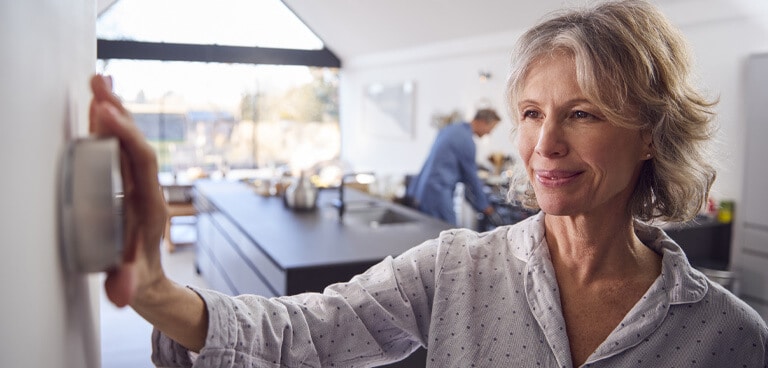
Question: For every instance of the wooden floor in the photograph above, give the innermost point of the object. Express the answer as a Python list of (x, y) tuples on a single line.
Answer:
[(125, 337)]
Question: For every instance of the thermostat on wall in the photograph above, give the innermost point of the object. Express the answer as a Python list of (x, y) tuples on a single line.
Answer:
[(91, 204)]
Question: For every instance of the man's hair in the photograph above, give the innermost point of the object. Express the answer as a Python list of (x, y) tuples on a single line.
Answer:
[(488, 115)]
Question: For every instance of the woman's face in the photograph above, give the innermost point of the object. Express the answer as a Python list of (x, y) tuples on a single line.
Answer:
[(577, 161)]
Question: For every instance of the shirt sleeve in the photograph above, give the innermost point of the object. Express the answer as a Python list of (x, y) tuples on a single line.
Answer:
[(377, 317)]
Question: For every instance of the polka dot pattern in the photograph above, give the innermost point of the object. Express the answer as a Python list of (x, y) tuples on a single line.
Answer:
[(477, 300)]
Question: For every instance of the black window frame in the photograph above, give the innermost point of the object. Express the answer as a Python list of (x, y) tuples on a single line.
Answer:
[(164, 51)]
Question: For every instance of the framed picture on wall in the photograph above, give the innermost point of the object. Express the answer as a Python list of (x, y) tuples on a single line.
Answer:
[(388, 109)]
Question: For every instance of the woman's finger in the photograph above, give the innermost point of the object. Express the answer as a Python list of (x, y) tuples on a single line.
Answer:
[(109, 118), (145, 209), (120, 285)]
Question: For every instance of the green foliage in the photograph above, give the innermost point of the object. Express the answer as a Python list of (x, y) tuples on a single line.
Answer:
[(317, 101)]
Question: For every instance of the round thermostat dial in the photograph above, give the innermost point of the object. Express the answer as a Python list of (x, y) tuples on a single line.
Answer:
[(91, 204)]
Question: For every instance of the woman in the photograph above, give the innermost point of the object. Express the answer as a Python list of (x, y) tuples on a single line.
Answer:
[(610, 133)]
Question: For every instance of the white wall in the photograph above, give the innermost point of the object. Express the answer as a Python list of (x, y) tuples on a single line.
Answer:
[(48, 317), (721, 49), (446, 78)]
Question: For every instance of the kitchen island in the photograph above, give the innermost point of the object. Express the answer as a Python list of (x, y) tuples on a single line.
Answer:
[(249, 243)]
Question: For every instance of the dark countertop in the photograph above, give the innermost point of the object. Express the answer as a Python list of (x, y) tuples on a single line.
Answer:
[(316, 238)]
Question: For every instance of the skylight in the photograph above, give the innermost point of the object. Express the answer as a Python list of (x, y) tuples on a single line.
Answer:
[(249, 23)]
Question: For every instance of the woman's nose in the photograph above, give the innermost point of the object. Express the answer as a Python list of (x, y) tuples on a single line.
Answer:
[(551, 141)]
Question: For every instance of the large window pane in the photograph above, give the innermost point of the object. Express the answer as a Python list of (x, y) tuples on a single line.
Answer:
[(262, 23), (208, 119)]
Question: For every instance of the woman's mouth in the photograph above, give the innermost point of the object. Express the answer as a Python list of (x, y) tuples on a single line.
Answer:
[(556, 178)]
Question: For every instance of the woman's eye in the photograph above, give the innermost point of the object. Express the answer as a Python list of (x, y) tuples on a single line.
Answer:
[(581, 114), (530, 114)]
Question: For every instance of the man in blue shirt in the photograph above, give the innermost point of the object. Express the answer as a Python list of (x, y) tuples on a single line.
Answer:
[(451, 161)]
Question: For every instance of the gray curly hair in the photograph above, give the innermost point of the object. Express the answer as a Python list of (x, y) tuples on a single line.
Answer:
[(634, 65)]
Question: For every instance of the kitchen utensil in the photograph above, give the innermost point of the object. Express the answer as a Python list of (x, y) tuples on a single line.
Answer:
[(301, 194), (499, 160)]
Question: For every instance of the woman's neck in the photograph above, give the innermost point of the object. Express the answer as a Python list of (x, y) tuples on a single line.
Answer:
[(590, 248)]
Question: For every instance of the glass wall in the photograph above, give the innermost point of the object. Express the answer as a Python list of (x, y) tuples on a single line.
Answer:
[(212, 119)]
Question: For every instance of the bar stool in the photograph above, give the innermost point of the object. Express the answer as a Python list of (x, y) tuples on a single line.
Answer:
[(179, 203)]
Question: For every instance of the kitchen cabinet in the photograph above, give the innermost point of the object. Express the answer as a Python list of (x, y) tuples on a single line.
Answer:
[(248, 243)]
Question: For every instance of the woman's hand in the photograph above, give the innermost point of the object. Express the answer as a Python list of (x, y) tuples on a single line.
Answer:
[(145, 209), (139, 280)]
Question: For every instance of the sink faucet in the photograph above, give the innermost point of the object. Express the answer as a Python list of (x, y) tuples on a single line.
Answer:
[(363, 178)]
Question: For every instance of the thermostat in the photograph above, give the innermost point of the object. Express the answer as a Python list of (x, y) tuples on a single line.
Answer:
[(91, 204)]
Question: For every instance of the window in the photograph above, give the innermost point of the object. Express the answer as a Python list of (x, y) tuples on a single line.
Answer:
[(251, 23), (222, 117)]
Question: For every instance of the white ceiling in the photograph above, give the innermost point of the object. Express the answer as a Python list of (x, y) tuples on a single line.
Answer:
[(352, 28)]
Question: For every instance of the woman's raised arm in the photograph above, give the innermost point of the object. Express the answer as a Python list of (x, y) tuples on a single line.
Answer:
[(139, 281)]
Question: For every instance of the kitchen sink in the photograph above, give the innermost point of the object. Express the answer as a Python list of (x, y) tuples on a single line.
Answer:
[(377, 216)]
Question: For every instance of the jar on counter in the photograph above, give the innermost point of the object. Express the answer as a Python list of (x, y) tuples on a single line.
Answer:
[(725, 212)]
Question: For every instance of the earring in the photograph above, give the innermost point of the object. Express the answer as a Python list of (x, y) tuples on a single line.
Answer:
[(648, 156)]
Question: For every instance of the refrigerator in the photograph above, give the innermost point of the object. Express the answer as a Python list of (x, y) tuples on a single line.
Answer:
[(751, 261)]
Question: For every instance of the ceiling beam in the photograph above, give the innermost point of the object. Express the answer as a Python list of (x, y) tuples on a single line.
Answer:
[(112, 49)]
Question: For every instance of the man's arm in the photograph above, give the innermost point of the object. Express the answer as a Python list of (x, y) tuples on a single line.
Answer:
[(473, 185)]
